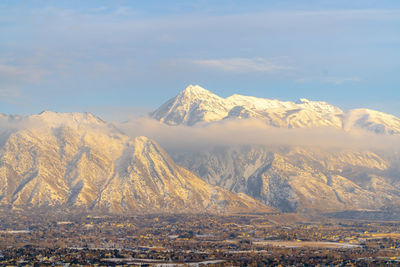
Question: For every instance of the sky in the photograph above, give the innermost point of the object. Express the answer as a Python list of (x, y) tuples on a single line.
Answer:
[(125, 58)]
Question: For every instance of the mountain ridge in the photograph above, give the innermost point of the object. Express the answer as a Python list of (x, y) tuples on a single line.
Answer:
[(196, 105)]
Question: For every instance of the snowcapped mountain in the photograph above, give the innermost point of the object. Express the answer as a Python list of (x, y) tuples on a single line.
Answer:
[(292, 177), (77, 160), (197, 105)]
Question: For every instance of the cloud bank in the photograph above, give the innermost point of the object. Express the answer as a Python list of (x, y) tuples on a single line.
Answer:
[(255, 132)]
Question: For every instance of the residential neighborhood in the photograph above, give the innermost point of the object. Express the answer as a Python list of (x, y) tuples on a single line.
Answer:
[(194, 239)]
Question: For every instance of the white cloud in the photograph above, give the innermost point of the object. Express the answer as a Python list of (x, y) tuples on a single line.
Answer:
[(254, 132), (241, 65)]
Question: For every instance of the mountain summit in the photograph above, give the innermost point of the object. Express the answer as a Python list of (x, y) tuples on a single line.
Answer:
[(193, 105)]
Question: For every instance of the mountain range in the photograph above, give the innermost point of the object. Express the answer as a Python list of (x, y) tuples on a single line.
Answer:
[(79, 161), (290, 177)]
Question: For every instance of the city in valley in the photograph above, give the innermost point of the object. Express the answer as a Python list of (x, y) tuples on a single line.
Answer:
[(59, 239)]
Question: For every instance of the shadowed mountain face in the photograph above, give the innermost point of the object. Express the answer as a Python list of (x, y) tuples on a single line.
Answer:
[(290, 178), (299, 179), (76, 160)]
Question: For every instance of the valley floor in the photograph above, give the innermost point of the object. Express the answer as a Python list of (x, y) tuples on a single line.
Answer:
[(196, 239)]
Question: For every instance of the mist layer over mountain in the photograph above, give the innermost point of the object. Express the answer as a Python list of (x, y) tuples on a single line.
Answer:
[(255, 132), (301, 156)]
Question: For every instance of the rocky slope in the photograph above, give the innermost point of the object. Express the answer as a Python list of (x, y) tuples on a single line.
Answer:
[(299, 179), (76, 160)]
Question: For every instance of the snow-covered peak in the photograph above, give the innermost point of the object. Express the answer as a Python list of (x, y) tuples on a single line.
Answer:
[(195, 93), (195, 90), (194, 104), (54, 119)]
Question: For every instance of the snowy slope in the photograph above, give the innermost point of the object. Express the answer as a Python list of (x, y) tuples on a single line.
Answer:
[(76, 160), (371, 120)]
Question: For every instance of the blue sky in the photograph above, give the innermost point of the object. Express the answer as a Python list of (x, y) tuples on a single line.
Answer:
[(122, 58)]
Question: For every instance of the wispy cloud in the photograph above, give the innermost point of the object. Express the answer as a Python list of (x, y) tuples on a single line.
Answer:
[(27, 74), (339, 80), (126, 50), (241, 65), (9, 93), (12, 95), (329, 79)]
